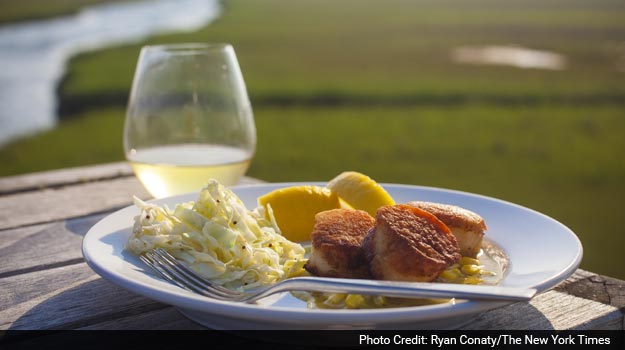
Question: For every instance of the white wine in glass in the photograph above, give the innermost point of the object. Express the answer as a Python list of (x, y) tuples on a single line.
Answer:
[(189, 118)]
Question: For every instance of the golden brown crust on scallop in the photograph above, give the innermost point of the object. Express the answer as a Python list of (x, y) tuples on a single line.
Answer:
[(453, 215), (409, 244), (467, 226), (337, 244)]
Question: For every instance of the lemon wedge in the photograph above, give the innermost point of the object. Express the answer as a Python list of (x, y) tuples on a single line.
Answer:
[(294, 208), (360, 191)]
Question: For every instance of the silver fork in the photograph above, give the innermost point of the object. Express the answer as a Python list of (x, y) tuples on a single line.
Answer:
[(176, 272)]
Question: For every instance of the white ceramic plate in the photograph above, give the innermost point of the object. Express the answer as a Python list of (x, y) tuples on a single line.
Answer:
[(542, 252)]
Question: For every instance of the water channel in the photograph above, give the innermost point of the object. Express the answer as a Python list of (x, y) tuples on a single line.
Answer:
[(33, 54)]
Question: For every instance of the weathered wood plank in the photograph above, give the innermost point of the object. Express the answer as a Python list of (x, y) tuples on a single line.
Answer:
[(43, 246), (24, 287), (46, 245), (70, 176), (607, 290), (75, 297), (55, 178), (163, 319), (31, 208), (578, 275), (68, 297), (551, 310), (9, 239)]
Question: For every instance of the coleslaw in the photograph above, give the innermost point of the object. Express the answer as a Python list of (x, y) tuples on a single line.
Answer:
[(219, 238)]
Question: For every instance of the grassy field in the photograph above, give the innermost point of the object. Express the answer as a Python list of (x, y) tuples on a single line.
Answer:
[(373, 82)]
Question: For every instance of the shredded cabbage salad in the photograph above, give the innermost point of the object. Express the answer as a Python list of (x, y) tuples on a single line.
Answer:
[(219, 238)]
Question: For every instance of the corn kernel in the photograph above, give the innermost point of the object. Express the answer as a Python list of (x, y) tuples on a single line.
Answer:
[(336, 298), (472, 280), (469, 261), (354, 301), (450, 274), (471, 269)]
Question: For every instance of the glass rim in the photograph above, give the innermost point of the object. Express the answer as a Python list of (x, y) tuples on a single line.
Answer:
[(188, 48)]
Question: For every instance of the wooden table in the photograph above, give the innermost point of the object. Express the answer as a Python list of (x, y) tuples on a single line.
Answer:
[(45, 283)]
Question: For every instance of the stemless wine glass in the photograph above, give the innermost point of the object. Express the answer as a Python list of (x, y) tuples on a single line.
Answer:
[(189, 118)]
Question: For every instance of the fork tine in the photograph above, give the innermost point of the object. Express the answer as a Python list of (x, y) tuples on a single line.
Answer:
[(191, 278), (156, 268), (192, 275), (174, 276), (163, 273)]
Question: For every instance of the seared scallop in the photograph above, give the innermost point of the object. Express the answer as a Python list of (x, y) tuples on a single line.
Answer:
[(409, 244), (337, 244), (467, 226)]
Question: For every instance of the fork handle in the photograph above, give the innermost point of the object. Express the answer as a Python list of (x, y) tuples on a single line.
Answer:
[(399, 289)]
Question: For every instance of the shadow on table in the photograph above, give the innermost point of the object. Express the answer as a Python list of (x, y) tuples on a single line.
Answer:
[(81, 226), (44, 246), (96, 301), (511, 317)]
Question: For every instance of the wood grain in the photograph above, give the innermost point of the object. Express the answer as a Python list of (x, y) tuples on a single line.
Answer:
[(75, 200), (68, 297), (162, 319), (29, 286), (43, 246), (48, 205), (551, 310), (607, 290), (61, 177), (71, 176)]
